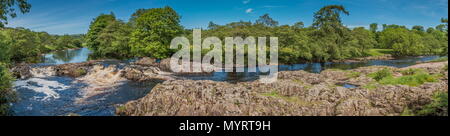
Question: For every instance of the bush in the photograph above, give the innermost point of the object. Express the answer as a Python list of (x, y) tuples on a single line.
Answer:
[(6, 94), (381, 74), (439, 106), (412, 77)]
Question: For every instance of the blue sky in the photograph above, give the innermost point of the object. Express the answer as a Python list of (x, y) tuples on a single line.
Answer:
[(74, 16)]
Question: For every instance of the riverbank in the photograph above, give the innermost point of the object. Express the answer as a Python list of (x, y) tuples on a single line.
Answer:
[(296, 93)]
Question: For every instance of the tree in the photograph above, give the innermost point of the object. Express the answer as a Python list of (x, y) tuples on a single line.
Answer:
[(22, 44), (135, 15), (419, 28), (4, 49), (154, 31), (114, 40), (384, 27), (7, 8), (6, 94), (212, 25), (445, 21), (331, 37), (404, 42), (299, 25), (266, 20), (96, 27), (365, 39), (374, 27), (329, 15)]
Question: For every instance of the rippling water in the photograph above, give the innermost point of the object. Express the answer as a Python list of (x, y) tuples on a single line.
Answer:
[(58, 96)]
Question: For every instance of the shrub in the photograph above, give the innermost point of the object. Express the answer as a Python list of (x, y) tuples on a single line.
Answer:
[(6, 94), (381, 74), (439, 106), (411, 71), (412, 77)]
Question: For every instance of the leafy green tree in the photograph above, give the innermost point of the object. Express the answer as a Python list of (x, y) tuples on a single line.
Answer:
[(114, 40), (329, 16), (155, 28), (419, 28), (404, 42), (95, 29), (6, 94), (212, 25), (22, 45), (299, 25), (266, 20), (374, 27), (8, 7), (331, 36), (365, 39), (5, 55)]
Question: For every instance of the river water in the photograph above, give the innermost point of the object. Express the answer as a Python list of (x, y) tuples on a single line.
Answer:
[(60, 96)]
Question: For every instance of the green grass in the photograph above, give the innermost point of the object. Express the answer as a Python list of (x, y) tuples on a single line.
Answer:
[(412, 71), (411, 80), (380, 52), (411, 77)]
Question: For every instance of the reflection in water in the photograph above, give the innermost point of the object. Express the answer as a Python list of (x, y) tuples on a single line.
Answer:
[(314, 68), (67, 56)]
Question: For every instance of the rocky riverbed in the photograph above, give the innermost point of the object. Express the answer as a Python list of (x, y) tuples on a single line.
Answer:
[(296, 93)]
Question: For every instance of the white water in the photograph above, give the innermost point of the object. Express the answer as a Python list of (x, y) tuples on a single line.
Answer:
[(39, 85), (101, 80), (42, 72)]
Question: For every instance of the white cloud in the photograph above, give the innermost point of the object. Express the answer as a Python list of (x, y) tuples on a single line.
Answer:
[(246, 1), (250, 10)]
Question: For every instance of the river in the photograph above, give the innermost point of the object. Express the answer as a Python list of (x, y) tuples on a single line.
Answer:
[(60, 96)]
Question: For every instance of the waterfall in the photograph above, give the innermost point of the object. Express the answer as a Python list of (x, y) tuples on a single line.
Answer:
[(41, 72), (100, 80), (46, 87)]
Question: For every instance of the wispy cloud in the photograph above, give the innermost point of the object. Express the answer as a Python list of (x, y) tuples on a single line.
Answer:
[(250, 10), (246, 1)]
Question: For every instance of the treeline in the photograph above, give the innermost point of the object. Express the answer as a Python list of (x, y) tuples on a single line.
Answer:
[(149, 32), (23, 45)]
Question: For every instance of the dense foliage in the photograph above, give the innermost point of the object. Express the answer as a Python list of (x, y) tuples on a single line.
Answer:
[(149, 32), (7, 9), (23, 45), (6, 95)]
